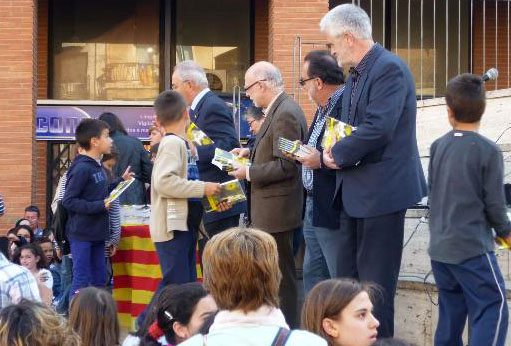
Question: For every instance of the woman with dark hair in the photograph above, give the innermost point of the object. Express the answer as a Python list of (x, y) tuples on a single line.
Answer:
[(341, 311), (131, 154), (179, 313), (25, 232)]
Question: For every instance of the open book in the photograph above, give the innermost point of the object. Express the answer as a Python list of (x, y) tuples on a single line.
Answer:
[(119, 189), (231, 191), (227, 161), (335, 130)]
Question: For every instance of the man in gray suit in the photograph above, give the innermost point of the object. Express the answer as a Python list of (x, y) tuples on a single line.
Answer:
[(275, 180)]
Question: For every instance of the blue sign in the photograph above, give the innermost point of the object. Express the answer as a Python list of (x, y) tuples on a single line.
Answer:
[(59, 122)]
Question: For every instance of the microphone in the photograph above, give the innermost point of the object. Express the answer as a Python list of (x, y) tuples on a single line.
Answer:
[(491, 74)]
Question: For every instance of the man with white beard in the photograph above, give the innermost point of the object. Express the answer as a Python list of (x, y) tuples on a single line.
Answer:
[(323, 80)]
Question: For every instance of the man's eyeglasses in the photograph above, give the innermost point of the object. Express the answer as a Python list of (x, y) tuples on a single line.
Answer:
[(302, 81), (251, 85), (175, 86)]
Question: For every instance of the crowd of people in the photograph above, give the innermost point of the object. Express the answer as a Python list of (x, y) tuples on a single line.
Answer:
[(349, 199)]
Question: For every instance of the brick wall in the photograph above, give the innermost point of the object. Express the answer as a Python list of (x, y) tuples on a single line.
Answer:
[(42, 93), (499, 60), (18, 54), (261, 30), (286, 19)]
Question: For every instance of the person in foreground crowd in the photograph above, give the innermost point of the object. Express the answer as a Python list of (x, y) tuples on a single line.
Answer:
[(341, 311), (31, 256), (178, 313), (323, 80), (16, 283), (93, 316), (466, 201), (242, 274), (379, 173), (32, 324), (276, 191)]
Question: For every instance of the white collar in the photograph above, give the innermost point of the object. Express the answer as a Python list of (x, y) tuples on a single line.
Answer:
[(264, 316), (267, 109), (199, 97)]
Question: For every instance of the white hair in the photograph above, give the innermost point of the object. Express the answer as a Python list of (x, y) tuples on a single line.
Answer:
[(268, 72), (189, 70), (347, 18)]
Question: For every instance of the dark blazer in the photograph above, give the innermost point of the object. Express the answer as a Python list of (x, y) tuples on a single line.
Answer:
[(381, 171), (132, 153), (324, 214), (275, 181), (213, 117)]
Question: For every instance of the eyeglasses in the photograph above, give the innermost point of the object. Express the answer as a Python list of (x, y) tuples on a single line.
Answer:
[(250, 123), (251, 85), (302, 81)]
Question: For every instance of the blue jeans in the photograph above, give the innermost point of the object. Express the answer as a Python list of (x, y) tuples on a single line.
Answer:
[(321, 251), (474, 288), (66, 277), (88, 264)]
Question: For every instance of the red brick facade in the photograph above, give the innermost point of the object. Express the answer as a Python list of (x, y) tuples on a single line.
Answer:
[(18, 85)]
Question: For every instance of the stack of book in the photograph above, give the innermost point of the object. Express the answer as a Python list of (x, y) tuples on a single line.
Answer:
[(227, 161), (335, 130)]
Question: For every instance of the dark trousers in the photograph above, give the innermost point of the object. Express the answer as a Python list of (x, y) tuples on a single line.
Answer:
[(474, 288), (371, 252), (287, 292), (88, 264), (215, 227)]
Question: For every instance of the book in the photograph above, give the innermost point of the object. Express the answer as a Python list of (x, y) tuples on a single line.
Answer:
[(293, 147), (197, 136), (227, 161), (119, 189), (231, 191), (335, 130)]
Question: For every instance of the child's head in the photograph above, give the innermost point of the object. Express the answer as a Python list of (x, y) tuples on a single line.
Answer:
[(170, 107), (465, 98), (32, 257), (33, 324), (110, 159), (179, 313), (47, 247), (25, 232), (341, 312), (93, 315), (93, 135)]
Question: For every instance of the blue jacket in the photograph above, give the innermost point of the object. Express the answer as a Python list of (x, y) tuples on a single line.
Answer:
[(381, 172), (212, 116), (86, 188)]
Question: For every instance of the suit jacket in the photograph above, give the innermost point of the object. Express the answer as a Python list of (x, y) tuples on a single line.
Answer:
[(212, 116), (324, 214), (276, 183), (381, 171)]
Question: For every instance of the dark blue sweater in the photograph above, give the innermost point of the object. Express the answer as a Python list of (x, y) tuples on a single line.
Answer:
[(86, 189)]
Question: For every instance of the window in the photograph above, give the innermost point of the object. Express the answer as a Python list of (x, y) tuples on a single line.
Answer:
[(105, 50), (216, 34)]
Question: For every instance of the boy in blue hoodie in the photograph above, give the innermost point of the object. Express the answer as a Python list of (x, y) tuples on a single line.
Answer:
[(84, 199)]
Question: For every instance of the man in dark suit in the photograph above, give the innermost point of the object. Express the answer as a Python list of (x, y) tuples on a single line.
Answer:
[(212, 116), (275, 180), (322, 79), (380, 174)]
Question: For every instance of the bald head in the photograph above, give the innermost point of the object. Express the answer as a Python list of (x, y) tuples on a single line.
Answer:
[(263, 82)]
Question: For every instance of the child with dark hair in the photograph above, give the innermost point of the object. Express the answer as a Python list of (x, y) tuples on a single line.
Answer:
[(84, 200), (466, 198), (31, 257), (177, 314), (48, 248), (24, 231)]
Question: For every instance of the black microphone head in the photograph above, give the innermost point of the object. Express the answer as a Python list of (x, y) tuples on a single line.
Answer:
[(491, 74)]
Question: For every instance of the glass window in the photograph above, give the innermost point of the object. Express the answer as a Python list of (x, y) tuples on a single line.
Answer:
[(105, 50), (216, 34)]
